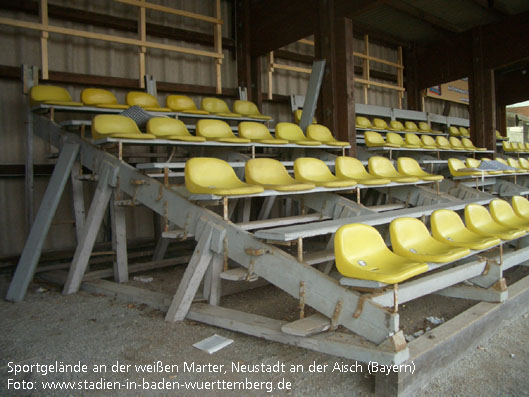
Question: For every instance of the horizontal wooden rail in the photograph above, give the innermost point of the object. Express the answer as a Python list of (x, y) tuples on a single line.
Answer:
[(291, 68), (379, 60), (376, 83)]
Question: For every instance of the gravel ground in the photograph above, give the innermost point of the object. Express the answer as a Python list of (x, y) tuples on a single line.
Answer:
[(95, 329)]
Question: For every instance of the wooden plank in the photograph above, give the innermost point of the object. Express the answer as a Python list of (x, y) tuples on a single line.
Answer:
[(39, 230), (192, 277), (119, 242), (237, 274), (29, 181), (378, 84), (291, 68), (307, 326), (93, 222), (44, 39), (215, 292), (290, 220), (78, 200), (379, 60)]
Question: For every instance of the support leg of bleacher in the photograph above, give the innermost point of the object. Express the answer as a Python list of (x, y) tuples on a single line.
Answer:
[(107, 180), (119, 241), (39, 230), (78, 200)]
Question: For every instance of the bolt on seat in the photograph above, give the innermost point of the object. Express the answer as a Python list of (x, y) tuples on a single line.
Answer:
[(381, 167), (374, 139), (396, 139), (145, 101), (307, 169), (183, 104), (116, 126), (218, 130), (361, 252), (218, 107), (410, 167), (294, 134), (479, 220), (351, 168), (169, 128), (410, 238), (101, 99), (271, 174), (448, 228), (51, 95), (214, 176), (258, 132), (503, 213), (249, 109), (320, 133)]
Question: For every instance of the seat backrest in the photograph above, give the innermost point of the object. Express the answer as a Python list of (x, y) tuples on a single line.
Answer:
[(290, 132), (445, 222), (106, 124), (308, 168), (526, 145), (477, 216), (214, 105), (467, 143), (381, 166), (41, 93), (180, 103), (267, 172), (166, 126), (507, 145), (502, 160), (357, 240), (455, 142), (350, 167), (379, 123), (363, 122), (472, 163), (372, 137), (455, 164), (318, 132), (142, 99), (427, 140), (214, 129), (424, 126), (521, 206), (396, 125), (442, 142), (406, 232), (394, 138), (412, 139), (524, 163), (501, 210), (208, 171), (409, 166), (97, 96), (246, 108), (514, 163), (464, 131), (454, 131), (254, 130), (410, 125), (297, 116)]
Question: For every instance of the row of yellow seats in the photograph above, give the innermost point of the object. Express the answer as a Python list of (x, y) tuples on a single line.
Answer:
[(518, 147), (215, 176), (394, 125), (117, 126), (412, 141), (456, 166), (361, 252), (97, 97), (459, 131)]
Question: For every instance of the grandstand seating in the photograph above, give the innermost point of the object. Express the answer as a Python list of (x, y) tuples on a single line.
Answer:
[(145, 101), (217, 106), (100, 98), (316, 171), (183, 104), (116, 126), (51, 95), (169, 128)]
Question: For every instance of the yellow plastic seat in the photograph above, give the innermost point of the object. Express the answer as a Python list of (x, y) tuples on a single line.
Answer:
[(454, 131), (515, 164), (425, 127), (258, 132), (320, 133), (206, 175), (448, 228), (374, 139), (503, 214), (379, 124), (293, 133), (464, 132), (519, 146), (443, 143), (100, 98), (410, 167), (428, 142), (381, 167), (116, 126), (307, 169), (395, 125), (249, 109), (499, 136), (363, 122), (182, 104), (467, 144), (410, 126), (479, 220), (410, 238), (272, 175), (526, 146), (504, 162), (455, 165), (524, 163), (396, 139), (413, 140), (217, 106), (51, 95), (297, 116), (507, 146), (145, 101), (218, 130), (351, 168), (169, 128), (475, 163), (520, 206), (360, 252), (456, 144)]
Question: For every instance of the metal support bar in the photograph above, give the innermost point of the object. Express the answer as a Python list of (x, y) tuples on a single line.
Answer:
[(313, 92), (33, 247)]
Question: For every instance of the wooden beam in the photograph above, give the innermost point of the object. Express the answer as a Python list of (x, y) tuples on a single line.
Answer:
[(411, 68), (512, 87)]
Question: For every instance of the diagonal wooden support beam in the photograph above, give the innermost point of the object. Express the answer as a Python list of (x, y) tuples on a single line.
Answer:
[(33, 248), (94, 218)]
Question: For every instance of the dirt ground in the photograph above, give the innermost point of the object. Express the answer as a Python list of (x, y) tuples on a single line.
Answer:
[(99, 332)]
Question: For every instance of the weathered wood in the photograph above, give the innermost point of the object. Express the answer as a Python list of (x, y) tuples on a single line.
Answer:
[(307, 326), (78, 200), (237, 274), (291, 220), (216, 265), (119, 242)]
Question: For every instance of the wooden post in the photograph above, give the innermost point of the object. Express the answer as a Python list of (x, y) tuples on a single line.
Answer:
[(270, 74), (119, 241), (400, 77), (142, 35), (44, 38), (218, 46), (412, 84), (366, 65)]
